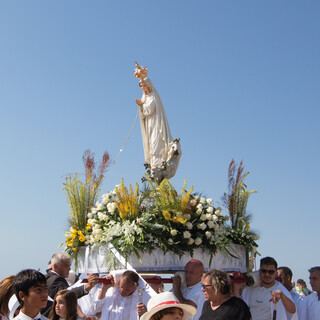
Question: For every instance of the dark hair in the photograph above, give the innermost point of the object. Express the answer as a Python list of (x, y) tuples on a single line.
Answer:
[(219, 281), (6, 291), (158, 315), (302, 282), (25, 280), (268, 261), (315, 269), (70, 299), (130, 276), (287, 271)]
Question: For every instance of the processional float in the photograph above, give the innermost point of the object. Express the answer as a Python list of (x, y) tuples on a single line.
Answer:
[(156, 229)]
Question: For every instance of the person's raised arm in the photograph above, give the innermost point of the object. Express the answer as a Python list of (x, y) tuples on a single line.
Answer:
[(105, 287)]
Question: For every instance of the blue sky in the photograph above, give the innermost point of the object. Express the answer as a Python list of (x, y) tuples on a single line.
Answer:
[(238, 79)]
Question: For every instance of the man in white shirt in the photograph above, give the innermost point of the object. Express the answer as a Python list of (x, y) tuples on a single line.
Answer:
[(123, 301), (190, 292), (312, 301), (285, 274), (263, 298)]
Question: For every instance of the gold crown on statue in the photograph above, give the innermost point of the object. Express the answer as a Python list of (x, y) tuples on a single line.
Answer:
[(140, 72)]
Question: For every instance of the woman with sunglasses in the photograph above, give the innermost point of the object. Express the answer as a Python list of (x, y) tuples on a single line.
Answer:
[(220, 303)]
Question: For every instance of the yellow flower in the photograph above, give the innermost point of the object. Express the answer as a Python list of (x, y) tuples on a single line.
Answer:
[(247, 227), (75, 249), (82, 238), (69, 241), (166, 215), (88, 227), (74, 233), (177, 219)]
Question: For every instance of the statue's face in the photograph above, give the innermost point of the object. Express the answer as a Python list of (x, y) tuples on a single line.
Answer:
[(144, 88)]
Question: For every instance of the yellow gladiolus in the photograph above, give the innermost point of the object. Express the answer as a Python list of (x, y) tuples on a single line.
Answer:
[(88, 227)]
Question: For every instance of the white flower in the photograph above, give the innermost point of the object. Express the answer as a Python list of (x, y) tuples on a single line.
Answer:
[(105, 200), (216, 227), (197, 197), (202, 226), (89, 215), (102, 216), (210, 209), (199, 206), (100, 206), (214, 218), (111, 206), (198, 241), (210, 224), (189, 225), (97, 231), (97, 203), (203, 217), (187, 235), (203, 201), (218, 212), (93, 210), (209, 201), (193, 202), (190, 242), (208, 216), (199, 211), (187, 216), (208, 234), (91, 221), (173, 232), (170, 241)]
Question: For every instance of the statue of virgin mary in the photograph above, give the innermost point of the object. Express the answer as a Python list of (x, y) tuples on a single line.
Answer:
[(158, 146)]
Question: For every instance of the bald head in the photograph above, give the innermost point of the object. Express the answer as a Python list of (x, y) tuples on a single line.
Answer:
[(194, 272)]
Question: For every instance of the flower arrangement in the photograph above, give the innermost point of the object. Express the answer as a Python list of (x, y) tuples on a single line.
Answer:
[(81, 198), (158, 217)]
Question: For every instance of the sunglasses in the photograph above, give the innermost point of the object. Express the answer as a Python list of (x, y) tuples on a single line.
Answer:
[(206, 286), (267, 271)]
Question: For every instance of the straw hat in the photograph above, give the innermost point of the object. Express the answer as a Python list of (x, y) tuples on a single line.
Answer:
[(166, 300)]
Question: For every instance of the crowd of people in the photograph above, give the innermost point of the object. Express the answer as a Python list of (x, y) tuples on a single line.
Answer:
[(125, 295)]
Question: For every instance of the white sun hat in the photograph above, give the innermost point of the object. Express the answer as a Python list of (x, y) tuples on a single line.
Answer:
[(166, 300)]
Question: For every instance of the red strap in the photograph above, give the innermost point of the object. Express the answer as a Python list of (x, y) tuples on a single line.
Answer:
[(166, 302)]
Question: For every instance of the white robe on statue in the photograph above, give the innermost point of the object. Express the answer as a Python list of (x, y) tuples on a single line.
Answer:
[(156, 135)]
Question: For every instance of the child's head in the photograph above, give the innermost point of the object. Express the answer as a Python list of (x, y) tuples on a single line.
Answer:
[(6, 291), (64, 305), (31, 289)]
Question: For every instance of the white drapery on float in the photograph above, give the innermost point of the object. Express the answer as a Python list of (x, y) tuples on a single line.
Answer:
[(92, 260)]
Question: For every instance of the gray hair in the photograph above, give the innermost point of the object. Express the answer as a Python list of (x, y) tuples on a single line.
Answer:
[(219, 281), (58, 257)]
